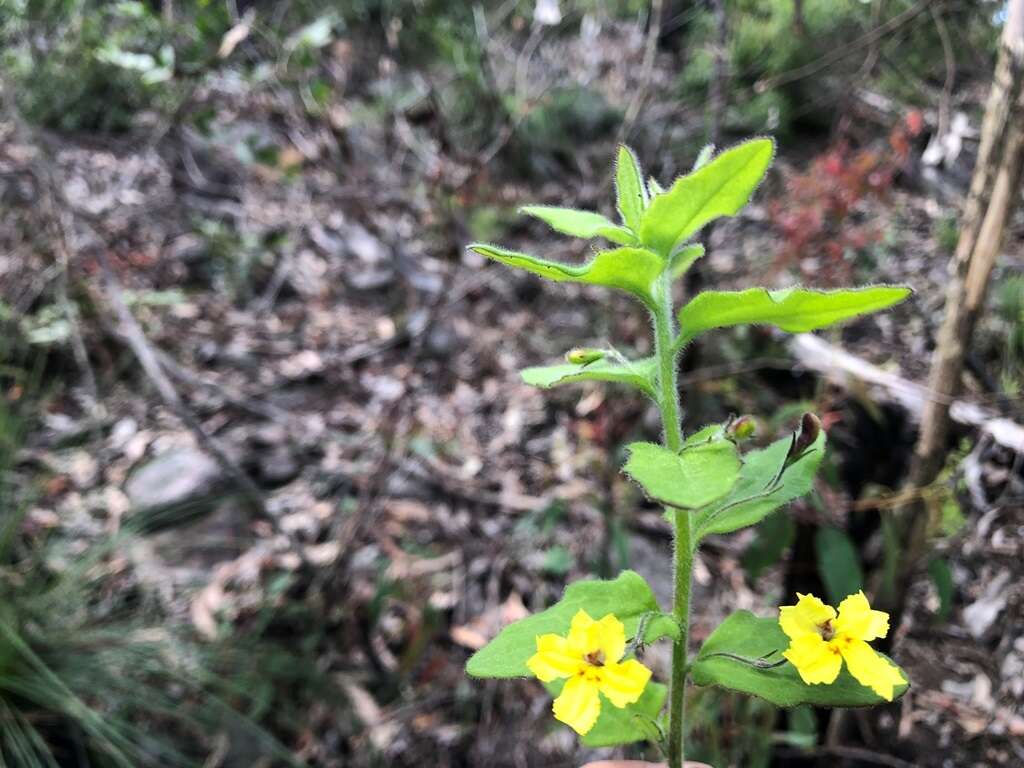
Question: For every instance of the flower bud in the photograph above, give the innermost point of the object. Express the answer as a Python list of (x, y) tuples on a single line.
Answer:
[(583, 356), (810, 428), (743, 428)]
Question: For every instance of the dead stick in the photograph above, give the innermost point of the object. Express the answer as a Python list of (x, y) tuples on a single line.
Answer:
[(140, 347)]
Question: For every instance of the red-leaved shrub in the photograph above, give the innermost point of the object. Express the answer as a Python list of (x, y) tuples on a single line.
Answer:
[(820, 236)]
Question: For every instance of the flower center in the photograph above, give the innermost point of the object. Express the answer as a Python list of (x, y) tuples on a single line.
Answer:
[(595, 658), (827, 630)]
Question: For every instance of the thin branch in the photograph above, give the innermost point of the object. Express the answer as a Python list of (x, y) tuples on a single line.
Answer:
[(840, 53), (136, 340), (646, 70), (859, 753), (950, 63)]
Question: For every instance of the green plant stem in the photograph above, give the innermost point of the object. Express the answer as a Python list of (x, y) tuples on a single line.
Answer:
[(668, 400)]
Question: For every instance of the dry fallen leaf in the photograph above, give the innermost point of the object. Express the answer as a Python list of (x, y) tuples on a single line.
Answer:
[(382, 732), (236, 35), (468, 637), (477, 633), (204, 609)]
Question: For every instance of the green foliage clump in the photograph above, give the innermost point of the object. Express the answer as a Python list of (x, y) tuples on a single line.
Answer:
[(66, 68), (1010, 305), (769, 39), (87, 65), (91, 673), (765, 39)]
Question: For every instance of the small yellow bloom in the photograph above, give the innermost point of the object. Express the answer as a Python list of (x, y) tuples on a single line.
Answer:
[(820, 641), (591, 657)]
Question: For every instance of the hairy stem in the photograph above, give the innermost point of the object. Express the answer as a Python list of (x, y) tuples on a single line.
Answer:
[(668, 399)]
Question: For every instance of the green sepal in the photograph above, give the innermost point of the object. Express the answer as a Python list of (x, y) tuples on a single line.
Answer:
[(628, 596), (683, 259), (630, 192), (768, 479), (705, 434), (760, 642), (577, 223), (695, 477), (795, 310), (621, 726), (634, 270), (635, 373), (720, 188)]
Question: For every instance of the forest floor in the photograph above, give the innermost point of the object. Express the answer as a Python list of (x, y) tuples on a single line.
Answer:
[(326, 326)]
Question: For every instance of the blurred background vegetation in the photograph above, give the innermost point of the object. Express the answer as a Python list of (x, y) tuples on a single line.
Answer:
[(267, 474)]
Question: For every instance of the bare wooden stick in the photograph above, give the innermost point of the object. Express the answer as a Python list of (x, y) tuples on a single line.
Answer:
[(136, 340), (851, 372), (654, 20), (235, 397), (995, 189)]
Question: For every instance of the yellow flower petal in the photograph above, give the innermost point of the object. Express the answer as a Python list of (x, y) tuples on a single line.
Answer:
[(815, 660), (583, 634), (870, 669), (578, 705), (623, 683), (805, 617), (611, 638), (553, 659), (857, 620)]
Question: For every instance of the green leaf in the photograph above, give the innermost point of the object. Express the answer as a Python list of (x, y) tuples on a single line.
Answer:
[(838, 563), (720, 188), (636, 373), (621, 726), (684, 258), (692, 478), (558, 560), (942, 578), (633, 270), (744, 634), (576, 223), (775, 534), (758, 492), (705, 434), (659, 625), (629, 597), (794, 310), (630, 192), (803, 728)]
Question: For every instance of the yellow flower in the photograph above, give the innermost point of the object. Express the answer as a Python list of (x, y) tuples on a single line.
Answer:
[(820, 641), (591, 657)]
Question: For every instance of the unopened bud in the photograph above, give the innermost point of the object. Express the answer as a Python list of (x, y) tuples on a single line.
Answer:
[(581, 356), (810, 428), (743, 428)]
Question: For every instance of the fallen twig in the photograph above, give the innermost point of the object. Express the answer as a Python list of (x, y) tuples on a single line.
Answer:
[(136, 340), (842, 368)]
